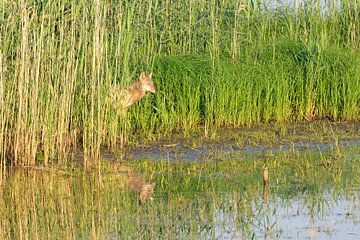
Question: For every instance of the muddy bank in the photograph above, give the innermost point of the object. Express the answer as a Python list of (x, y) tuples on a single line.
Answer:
[(271, 138)]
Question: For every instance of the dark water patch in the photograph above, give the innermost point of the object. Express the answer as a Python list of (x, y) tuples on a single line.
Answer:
[(262, 139), (226, 142), (213, 150)]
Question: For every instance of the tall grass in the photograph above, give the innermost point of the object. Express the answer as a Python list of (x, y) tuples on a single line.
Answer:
[(216, 63)]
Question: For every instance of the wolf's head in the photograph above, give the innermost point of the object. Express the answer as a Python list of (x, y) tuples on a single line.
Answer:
[(147, 83)]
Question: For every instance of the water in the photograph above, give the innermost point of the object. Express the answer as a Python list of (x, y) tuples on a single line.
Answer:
[(212, 190), (323, 217), (328, 218), (210, 150)]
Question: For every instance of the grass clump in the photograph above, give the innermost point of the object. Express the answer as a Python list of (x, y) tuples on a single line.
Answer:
[(291, 83)]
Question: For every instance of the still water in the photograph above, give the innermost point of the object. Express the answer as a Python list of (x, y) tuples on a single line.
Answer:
[(213, 190)]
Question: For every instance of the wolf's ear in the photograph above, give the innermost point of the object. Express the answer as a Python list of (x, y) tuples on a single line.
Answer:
[(142, 77), (153, 186), (150, 75)]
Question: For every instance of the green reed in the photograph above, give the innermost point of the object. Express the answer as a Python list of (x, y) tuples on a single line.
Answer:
[(215, 63)]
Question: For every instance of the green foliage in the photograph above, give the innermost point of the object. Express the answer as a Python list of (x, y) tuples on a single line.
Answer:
[(217, 63)]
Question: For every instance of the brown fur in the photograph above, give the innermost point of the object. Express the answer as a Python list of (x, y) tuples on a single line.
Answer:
[(144, 190), (129, 95)]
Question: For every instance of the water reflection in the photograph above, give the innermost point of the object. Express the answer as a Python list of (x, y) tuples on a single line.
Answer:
[(326, 215), (309, 194)]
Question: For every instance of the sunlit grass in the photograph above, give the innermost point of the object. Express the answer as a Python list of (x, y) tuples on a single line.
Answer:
[(215, 63)]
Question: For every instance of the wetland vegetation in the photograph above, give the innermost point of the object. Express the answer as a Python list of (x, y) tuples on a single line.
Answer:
[(240, 85), (214, 63)]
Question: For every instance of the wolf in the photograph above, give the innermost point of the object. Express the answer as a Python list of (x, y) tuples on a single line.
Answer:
[(127, 96)]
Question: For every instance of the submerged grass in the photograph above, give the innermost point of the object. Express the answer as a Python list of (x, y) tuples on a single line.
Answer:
[(215, 63)]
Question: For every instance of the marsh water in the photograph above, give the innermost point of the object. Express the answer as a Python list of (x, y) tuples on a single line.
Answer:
[(206, 188)]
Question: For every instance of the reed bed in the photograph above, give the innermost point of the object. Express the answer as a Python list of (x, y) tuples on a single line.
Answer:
[(215, 63)]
